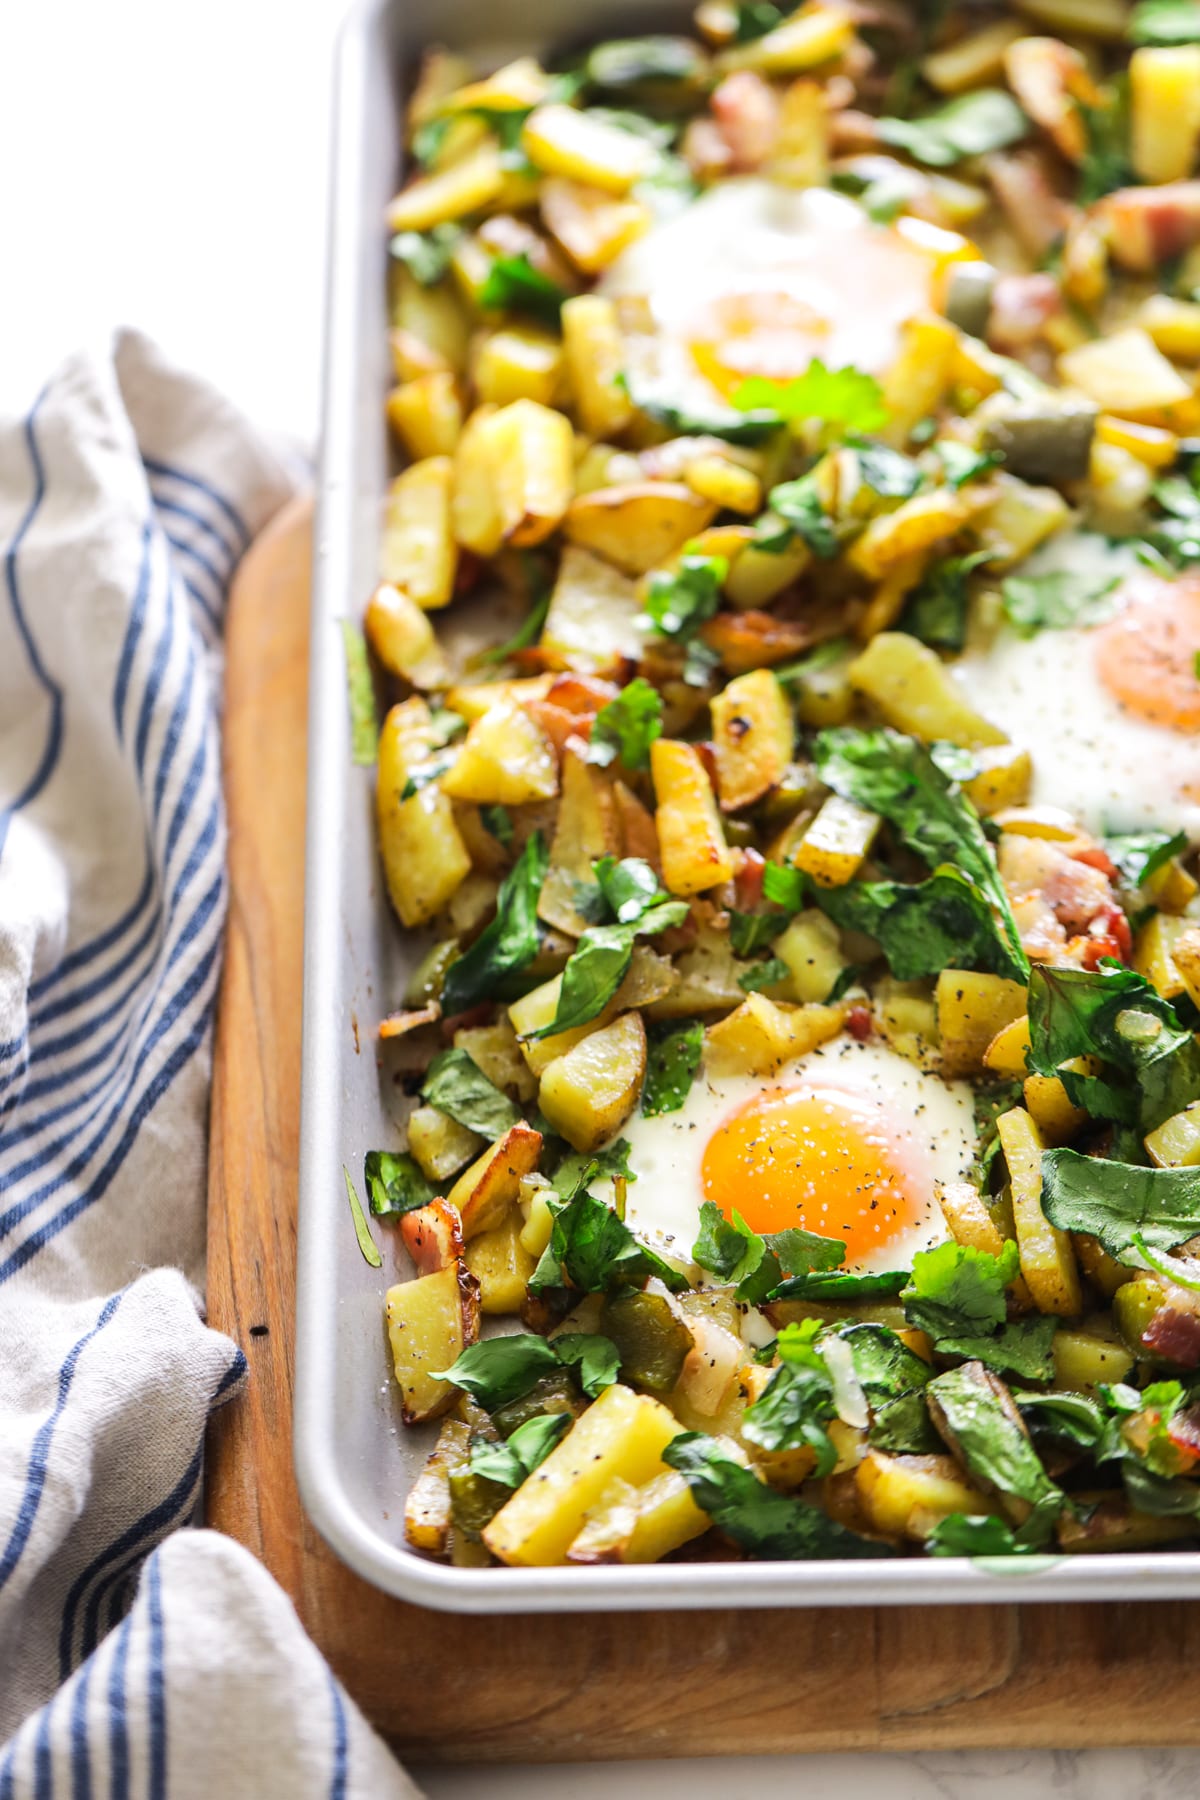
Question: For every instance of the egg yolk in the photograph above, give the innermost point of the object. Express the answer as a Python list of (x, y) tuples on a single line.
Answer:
[(1146, 656), (822, 1158)]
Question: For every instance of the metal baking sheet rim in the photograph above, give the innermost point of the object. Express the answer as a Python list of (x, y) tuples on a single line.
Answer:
[(322, 1462)]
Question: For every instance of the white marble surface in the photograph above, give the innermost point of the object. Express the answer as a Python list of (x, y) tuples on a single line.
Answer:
[(165, 166)]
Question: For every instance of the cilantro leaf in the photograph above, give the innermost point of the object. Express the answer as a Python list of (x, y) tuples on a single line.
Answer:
[(578, 1169), (1054, 602), (797, 510), (793, 1411), (1022, 1348), (887, 472), (719, 1247), (672, 1059), (364, 728), (971, 125), (764, 975), (845, 398), (838, 1284), (458, 1087), (893, 1379), (683, 421), (936, 610), (600, 961), (761, 1263), (961, 464), (754, 18), (758, 1518), (626, 727), (1117, 1202), (1107, 162), (751, 932), (956, 1289), (426, 254), (512, 284), (630, 887), (498, 821), (509, 943), (968, 1406), (594, 1251), (1064, 1418), (925, 927), (679, 602), (395, 1183)]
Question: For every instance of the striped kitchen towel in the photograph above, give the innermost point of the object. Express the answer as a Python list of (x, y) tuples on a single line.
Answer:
[(126, 500)]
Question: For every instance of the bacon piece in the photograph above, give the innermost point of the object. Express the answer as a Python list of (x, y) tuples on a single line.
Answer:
[(747, 109), (1176, 1335), (397, 1024), (1038, 215), (860, 1023), (433, 1237), (581, 693), (1146, 226), (1022, 307)]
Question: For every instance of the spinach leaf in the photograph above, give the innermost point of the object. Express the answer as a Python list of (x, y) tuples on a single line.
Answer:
[(362, 1230), (501, 1369), (971, 1416), (595, 1359), (936, 610), (751, 932), (498, 821), (594, 1251), (364, 728), (961, 464), (1055, 601), (754, 18), (1139, 855), (529, 1445), (679, 602), (797, 510), (1116, 1015), (901, 779), (426, 254), (764, 975), (683, 421), (794, 1409), (721, 1247), (509, 943), (458, 1087), (975, 1534), (1158, 1495), (627, 726), (630, 887), (893, 1379), (512, 284), (760, 1263), (845, 398), (1117, 1202), (672, 1059), (1064, 1419), (926, 927), (395, 1183), (1107, 163), (600, 961), (1022, 1349), (1165, 22), (887, 472), (972, 125), (838, 1284), (758, 1518)]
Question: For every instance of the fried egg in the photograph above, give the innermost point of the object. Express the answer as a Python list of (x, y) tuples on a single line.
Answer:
[(849, 1141), (1110, 714), (758, 279)]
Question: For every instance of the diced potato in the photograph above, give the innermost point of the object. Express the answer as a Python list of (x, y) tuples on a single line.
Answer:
[(969, 1221), (587, 829), (1153, 953), (971, 1009), (401, 636), (1175, 1144), (452, 193), (1102, 1270), (837, 843), (1004, 779), (418, 552), (756, 576), (916, 693), (1171, 888), (754, 734), (439, 1143), (430, 1323), (695, 856), (475, 504), (666, 1518), (427, 1507), (1125, 373), (426, 414), (518, 362), (1054, 1113), (592, 623), (921, 376), (588, 1094), (506, 760), (760, 1036), (473, 903), (637, 525), (708, 980), (592, 226), (1175, 327), (1185, 953), (501, 1265), (917, 524), (424, 857), (973, 61), (887, 602), (595, 359), (810, 37), (430, 330), (811, 947), (893, 1489), (534, 470), (725, 483), (518, 85), (907, 1020), (1105, 20), (472, 700), (486, 1191), (1008, 1052), (560, 140), (531, 1012), (1019, 519), (1082, 1360), (1047, 1259), (495, 1050), (539, 1224), (800, 157), (1164, 95), (621, 1437)]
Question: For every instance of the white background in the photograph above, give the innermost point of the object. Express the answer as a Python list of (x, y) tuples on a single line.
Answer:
[(165, 166)]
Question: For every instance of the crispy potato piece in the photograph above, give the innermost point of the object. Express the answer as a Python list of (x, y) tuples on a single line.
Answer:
[(691, 840), (756, 576), (905, 1496), (921, 376), (587, 829), (1054, 1113), (800, 157), (640, 1524), (972, 60), (1106, 20), (465, 187), (506, 760), (1175, 1144), (1019, 519), (811, 946), (501, 1265), (518, 363), (473, 700), (595, 358), (1004, 779), (495, 1050), (430, 1322), (906, 1019), (715, 477), (561, 140), (754, 734), (484, 1193), (426, 414), (427, 1507), (1082, 1360), (837, 843), (475, 503), (533, 471), (761, 1035), (1125, 373), (621, 1436), (1154, 953), (588, 1093), (592, 623), (915, 527), (1106, 1522), (1047, 1259), (402, 638), (1008, 1052), (424, 857), (708, 980), (971, 1223), (916, 693), (971, 1009), (1164, 93), (418, 551), (439, 1143), (810, 37), (535, 1009), (638, 525), (592, 226)]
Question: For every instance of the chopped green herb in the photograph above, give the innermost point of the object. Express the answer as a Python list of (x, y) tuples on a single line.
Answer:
[(751, 932), (1140, 855), (426, 254), (501, 1369), (925, 927), (395, 1183), (526, 634), (1107, 163), (595, 1252), (678, 603), (458, 1087), (362, 1230), (968, 1408), (1120, 1202), (498, 821), (975, 1534), (513, 284), (595, 1359), (1055, 601), (1165, 22), (672, 1059), (846, 399), (797, 510), (764, 975), (509, 943), (763, 1521), (888, 472), (971, 125), (626, 727), (529, 1445), (936, 611)]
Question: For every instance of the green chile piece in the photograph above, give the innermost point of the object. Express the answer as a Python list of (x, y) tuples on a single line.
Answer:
[(652, 1340)]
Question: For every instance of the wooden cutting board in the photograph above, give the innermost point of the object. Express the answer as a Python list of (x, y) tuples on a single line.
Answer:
[(611, 1685)]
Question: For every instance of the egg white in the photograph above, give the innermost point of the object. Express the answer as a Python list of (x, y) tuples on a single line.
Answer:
[(1111, 771), (934, 1120)]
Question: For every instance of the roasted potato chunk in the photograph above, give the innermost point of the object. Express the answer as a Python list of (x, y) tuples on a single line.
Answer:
[(588, 1093), (691, 840), (430, 1323), (484, 1193), (754, 735), (424, 857)]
